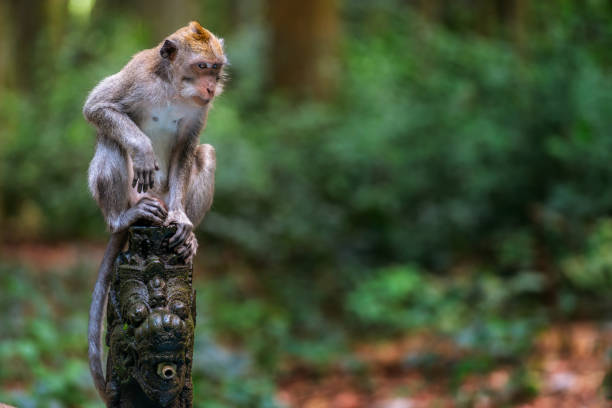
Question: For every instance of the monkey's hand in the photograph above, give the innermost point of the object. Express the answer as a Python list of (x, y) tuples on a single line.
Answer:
[(184, 227), (148, 209), (188, 249), (145, 164)]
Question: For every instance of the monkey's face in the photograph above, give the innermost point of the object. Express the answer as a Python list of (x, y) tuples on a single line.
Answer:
[(200, 81), (197, 60)]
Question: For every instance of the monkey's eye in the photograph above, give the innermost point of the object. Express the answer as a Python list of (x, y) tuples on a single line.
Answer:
[(202, 65), (215, 66)]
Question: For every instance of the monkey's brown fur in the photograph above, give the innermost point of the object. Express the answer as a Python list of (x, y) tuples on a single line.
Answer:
[(148, 164)]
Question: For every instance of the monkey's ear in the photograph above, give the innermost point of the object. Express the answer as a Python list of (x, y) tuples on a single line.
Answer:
[(222, 42), (196, 28), (168, 50)]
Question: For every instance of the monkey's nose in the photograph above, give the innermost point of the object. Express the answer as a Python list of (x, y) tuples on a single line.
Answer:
[(211, 92)]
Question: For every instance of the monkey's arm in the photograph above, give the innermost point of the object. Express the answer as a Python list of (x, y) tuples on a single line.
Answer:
[(181, 164), (104, 108)]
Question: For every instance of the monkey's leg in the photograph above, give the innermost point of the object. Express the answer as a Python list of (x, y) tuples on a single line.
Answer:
[(202, 184), (110, 183), (199, 196)]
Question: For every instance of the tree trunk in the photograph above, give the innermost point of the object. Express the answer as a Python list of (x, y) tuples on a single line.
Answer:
[(28, 22), (304, 47), (57, 19), (429, 9), (6, 48)]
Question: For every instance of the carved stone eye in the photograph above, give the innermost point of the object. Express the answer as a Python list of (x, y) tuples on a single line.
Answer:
[(180, 309), (137, 314), (202, 65), (157, 282)]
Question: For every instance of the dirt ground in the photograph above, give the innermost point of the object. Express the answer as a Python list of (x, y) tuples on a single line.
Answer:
[(568, 365)]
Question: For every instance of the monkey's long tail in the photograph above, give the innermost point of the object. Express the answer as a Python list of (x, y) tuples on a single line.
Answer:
[(96, 311)]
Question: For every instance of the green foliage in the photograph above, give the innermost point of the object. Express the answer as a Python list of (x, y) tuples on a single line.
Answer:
[(43, 339), (399, 298), (592, 269), (251, 322), (481, 311), (225, 378)]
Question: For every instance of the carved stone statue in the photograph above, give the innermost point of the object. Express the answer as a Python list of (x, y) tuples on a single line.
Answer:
[(151, 317)]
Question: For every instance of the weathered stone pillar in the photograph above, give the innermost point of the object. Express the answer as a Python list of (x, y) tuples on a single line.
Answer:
[(151, 317)]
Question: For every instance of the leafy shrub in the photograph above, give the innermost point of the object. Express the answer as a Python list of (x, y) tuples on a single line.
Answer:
[(592, 269), (481, 311)]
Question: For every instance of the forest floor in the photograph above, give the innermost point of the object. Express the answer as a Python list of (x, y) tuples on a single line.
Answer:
[(566, 367)]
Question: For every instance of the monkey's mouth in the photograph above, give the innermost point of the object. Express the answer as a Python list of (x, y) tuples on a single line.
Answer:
[(200, 101)]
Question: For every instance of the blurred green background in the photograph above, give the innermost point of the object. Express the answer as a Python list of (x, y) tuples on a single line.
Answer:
[(385, 169)]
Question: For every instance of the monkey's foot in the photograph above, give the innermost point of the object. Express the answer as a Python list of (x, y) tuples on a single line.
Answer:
[(183, 227), (188, 248)]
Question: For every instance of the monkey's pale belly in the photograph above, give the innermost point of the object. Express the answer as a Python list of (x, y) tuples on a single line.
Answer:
[(161, 124), (162, 146)]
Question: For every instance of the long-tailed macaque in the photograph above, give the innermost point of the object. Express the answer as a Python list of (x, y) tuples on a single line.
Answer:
[(148, 164)]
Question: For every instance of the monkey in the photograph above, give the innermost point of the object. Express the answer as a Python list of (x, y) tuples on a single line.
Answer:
[(148, 164)]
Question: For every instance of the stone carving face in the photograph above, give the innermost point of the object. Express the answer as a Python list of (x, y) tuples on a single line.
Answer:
[(161, 342), (152, 327)]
